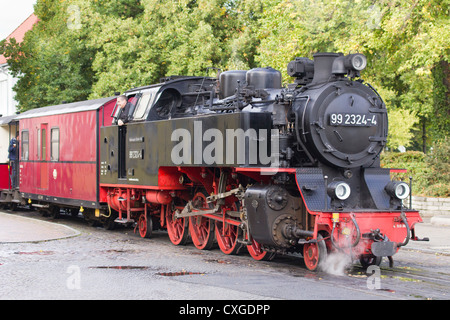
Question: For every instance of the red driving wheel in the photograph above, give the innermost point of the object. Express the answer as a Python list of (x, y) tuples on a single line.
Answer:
[(256, 252), (177, 229), (227, 236), (201, 228)]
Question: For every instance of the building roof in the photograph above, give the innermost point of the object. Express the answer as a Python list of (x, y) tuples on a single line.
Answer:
[(7, 120), (20, 31)]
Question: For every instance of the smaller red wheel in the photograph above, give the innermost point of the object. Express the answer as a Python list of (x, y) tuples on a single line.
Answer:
[(177, 229), (145, 226), (256, 252), (314, 253)]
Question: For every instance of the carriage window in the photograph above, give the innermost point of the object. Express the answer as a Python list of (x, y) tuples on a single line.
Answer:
[(55, 144), (44, 143), (25, 145), (38, 154)]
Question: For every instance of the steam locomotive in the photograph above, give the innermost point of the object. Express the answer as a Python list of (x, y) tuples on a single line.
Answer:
[(236, 161)]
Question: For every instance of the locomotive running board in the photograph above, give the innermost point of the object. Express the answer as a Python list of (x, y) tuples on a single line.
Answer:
[(124, 221), (42, 206)]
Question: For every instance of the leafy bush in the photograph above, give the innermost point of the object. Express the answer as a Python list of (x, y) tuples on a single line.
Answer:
[(413, 162), (438, 175), (431, 173)]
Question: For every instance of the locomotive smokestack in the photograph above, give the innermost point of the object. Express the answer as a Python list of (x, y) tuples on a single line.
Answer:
[(323, 63)]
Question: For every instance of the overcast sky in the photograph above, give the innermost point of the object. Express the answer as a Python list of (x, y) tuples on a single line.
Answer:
[(12, 14)]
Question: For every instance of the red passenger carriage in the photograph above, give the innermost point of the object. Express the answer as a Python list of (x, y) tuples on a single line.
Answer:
[(59, 154)]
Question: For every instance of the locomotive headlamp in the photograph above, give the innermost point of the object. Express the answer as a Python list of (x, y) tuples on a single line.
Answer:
[(302, 69), (350, 64), (358, 61), (397, 189), (339, 190)]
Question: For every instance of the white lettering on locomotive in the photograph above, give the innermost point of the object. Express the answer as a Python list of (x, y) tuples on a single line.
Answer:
[(238, 146)]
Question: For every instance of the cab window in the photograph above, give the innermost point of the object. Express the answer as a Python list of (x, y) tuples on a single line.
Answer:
[(166, 105), (131, 99), (146, 101)]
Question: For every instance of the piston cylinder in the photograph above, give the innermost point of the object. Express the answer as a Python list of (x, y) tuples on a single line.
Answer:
[(159, 197)]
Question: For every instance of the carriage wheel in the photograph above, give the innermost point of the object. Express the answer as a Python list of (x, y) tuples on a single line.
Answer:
[(201, 228), (256, 252), (74, 211), (145, 226), (55, 212), (109, 223), (314, 253), (177, 229)]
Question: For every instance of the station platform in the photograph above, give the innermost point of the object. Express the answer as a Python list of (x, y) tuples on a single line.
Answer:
[(16, 229)]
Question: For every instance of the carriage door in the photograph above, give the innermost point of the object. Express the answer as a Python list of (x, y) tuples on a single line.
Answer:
[(133, 101), (44, 156)]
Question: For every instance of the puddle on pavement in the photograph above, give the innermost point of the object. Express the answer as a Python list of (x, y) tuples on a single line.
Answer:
[(387, 290), (217, 261), (117, 251), (164, 274), (40, 253), (176, 274), (121, 267)]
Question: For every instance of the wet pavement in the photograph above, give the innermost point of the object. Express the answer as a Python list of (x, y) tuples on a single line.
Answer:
[(42, 258), (17, 228)]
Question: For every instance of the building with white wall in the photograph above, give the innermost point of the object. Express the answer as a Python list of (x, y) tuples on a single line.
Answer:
[(8, 104)]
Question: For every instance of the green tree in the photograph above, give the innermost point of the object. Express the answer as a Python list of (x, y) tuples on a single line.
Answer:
[(171, 38), (87, 49), (53, 63), (401, 133), (405, 41)]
